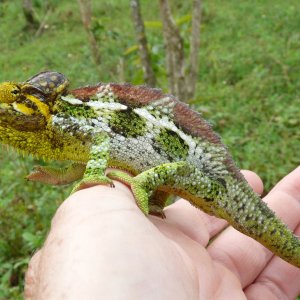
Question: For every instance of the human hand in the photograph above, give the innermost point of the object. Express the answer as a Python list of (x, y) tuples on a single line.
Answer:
[(101, 246)]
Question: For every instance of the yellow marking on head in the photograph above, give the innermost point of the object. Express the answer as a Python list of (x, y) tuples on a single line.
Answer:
[(53, 78), (23, 109), (9, 92), (43, 83), (61, 88), (43, 108)]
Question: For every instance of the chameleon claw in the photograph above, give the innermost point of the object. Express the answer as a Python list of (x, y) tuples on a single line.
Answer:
[(157, 211), (112, 185)]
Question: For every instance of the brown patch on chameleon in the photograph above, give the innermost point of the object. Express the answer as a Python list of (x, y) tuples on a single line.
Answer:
[(135, 96), (85, 93)]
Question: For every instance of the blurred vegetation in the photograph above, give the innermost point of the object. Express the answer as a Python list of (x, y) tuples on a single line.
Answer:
[(248, 88)]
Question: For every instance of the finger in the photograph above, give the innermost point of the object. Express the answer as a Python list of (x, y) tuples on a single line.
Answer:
[(192, 221), (198, 225), (290, 184), (279, 280), (86, 237), (110, 199), (254, 181), (239, 252), (31, 276), (215, 281)]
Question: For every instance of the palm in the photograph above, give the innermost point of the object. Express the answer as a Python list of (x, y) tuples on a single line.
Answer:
[(125, 255), (234, 265)]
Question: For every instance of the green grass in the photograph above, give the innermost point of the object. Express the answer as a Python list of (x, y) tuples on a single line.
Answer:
[(248, 88)]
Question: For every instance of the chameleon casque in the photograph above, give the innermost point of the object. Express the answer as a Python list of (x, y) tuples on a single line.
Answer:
[(167, 147)]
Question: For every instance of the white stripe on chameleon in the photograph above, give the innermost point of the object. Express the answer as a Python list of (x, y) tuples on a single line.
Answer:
[(71, 100), (164, 122), (106, 105), (96, 104)]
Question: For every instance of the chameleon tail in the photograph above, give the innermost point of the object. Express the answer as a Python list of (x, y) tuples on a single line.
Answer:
[(253, 217)]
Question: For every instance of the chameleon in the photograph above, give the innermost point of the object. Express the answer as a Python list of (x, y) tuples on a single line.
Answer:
[(166, 147)]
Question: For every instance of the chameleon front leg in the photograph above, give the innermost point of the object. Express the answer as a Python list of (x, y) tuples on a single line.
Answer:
[(57, 176), (95, 168)]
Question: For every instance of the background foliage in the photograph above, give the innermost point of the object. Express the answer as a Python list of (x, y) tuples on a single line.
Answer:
[(248, 88)]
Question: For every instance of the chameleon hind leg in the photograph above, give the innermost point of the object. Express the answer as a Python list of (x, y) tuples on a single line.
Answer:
[(95, 168), (57, 176), (145, 185), (156, 202), (178, 178)]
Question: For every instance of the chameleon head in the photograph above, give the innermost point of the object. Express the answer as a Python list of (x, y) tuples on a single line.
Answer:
[(25, 110), (35, 96)]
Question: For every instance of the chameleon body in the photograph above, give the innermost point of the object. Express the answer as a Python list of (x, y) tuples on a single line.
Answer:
[(167, 147)]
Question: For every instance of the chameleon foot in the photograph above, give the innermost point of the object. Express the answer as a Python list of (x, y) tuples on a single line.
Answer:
[(141, 196), (88, 182), (120, 176)]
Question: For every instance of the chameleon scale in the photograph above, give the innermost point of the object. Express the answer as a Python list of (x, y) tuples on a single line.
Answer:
[(168, 148)]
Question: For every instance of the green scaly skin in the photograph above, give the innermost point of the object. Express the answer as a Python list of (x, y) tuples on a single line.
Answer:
[(166, 146)]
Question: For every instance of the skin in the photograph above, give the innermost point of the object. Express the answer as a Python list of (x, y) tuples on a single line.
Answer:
[(101, 246)]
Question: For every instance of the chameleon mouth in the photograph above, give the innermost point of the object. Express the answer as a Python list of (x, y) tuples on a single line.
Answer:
[(14, 119)]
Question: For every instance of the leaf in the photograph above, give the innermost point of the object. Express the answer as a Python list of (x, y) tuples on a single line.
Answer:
[(33, 240), (158, 24), (153, 24), (131, 49), (184, 19), (5, 277), (21, 263)]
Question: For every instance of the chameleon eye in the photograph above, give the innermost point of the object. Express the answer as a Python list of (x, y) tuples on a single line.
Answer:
[(15, 92), (9, 92)]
